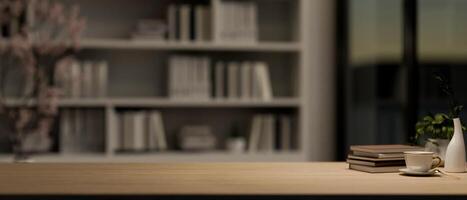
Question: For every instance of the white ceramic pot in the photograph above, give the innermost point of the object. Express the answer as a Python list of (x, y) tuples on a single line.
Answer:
[(236, 145), (437, 146), (455, 153)]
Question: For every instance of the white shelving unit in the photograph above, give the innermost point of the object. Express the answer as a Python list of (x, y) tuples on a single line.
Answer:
[(137, 78), (192, 46)]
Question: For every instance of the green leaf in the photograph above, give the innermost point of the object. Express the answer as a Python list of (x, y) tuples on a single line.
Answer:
[(428, 118), (439, 118)]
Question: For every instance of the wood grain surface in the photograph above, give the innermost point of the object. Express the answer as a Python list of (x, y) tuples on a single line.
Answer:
[(217, 179)]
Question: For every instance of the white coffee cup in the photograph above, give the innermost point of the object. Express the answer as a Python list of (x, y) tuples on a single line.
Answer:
[(421, 161)]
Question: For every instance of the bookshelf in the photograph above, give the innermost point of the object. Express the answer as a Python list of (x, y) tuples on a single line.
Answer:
[(138, 80), (191, 46)]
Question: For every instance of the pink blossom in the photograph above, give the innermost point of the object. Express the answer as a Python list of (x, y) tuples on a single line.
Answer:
[(43, 8), (48, 100), (55, 12), (44, 126), (17, 6), (24, 116)]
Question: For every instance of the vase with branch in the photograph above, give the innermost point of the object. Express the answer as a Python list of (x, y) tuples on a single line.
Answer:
[(455, 152), (43, 37)]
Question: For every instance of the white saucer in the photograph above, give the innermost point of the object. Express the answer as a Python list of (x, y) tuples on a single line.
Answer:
[(415, 173)]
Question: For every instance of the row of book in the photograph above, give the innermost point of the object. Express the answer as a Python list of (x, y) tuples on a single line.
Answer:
[(236, 21), (141, 131), (83, 79), (379, 158), (188, 22), (193, 77), (82, 130), (269, 132), (189, 77), (242, 80)]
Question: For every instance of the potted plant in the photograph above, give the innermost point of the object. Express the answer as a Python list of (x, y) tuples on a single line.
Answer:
[(442, 128), (437, 130)]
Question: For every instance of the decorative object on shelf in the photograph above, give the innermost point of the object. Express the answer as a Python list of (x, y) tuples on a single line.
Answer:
[(437, 130), (236, 143), (39, 39), (197, 138), (455, 153)]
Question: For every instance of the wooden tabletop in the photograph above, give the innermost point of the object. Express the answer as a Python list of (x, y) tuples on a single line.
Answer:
[(217, 179)]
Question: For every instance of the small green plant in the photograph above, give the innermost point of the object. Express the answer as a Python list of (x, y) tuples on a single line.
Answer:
[(445, 86), (438, 126)]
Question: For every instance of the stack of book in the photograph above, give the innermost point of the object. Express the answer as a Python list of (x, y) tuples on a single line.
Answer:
[(197, 138), (269, 132), (150, 29), (141, 131), (188, 22), (379, 158), (236, 21), (83, 79)]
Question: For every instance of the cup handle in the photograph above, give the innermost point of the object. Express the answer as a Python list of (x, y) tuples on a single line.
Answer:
[(438, 163)]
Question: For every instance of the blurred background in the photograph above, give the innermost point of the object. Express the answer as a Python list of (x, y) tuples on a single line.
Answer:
[(225, 80)]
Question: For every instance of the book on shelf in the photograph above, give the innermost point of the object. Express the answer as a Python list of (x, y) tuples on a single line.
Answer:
[(66, 131), (81, 130), (75, 80), (192, 77), (197, 138), (188, 22), (189, 77), (133, 131), (172, 22), (263, 81), (202, 23), (269, 132), (286, 133), (141, 131), (83, 79), (235, 21), (87, 83), (156, 135), (267, 142), (255, 133), (101, 79), (243, 80), (219, 83), (233, 80), (185, 22)]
